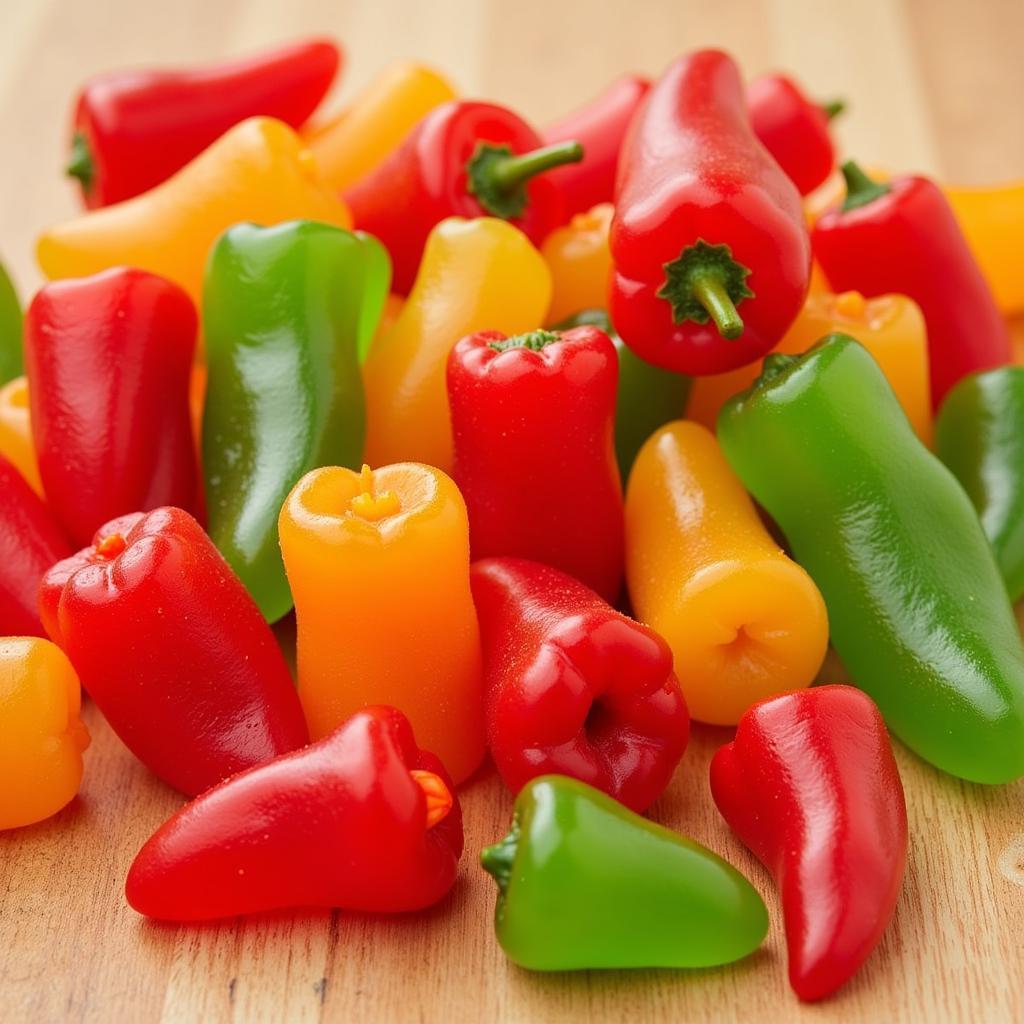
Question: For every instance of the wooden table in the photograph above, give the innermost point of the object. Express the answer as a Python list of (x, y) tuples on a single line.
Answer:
[(934, 86)]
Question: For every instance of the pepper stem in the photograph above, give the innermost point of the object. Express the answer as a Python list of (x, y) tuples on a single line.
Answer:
[(833, 108), (498, 177), (710, 291), (775, 365), (860, 189), (80, 163), (497, 860)]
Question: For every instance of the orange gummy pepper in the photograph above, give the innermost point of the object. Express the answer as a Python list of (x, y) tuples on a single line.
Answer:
[(16, 432), (580, 262), (744, 621), (41, 735), (476, 275), (258, 171), (378, 563), (890, 327)]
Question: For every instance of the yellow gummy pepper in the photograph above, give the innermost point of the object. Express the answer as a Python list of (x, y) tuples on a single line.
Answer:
[(41, 735), (258, 171), (744, 621), (580, 262), (476, 275), (16, 431), (364, 134)]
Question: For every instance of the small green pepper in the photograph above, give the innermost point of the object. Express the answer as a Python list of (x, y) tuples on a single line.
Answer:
[(583, 882), (286, 311), (11, 363), (979, 434), (917, 609)]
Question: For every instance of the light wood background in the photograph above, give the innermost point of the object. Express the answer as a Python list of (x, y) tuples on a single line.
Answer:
[(934, 85)]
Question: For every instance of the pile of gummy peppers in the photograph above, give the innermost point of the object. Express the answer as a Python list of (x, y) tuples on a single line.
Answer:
[(587, 363)]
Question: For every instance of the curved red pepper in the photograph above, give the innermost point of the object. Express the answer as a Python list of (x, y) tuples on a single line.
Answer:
[(109, 359), (362, 820), (573, 687), (134, 129), (459, 161), (811, 786), (599, 128), (902, 237), (173, 650), (532, 426), (710, 250), (30, 543), (793, 129)]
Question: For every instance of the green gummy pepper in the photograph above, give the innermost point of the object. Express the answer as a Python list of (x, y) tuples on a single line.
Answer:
[(286, 311), (979, 435), (917, 609), (11, 364), (584, 882)]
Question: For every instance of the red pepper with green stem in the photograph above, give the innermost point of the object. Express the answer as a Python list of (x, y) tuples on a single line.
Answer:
[(464, 159), (134, 129), (902, 236), (362, 819), (710, 249)]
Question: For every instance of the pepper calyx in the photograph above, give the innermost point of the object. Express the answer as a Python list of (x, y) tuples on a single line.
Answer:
[(497, 860), (774, 366), (80, 163), (533, 340), (833, 108), (705, 283), (860, 189), (498, 177)]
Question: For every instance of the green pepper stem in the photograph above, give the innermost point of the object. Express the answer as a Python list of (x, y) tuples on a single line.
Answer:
[(497, 860), (80, 164), (833, 108), (860, 189), (512, 171), (710, 291)]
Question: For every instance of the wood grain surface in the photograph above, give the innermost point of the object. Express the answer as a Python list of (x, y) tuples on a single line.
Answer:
[(933, 85)]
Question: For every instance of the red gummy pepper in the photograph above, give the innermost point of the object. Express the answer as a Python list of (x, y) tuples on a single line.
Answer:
[(710, 249), (30, 543), (794, 129), (173, 650), (599, 128), (362, 820), (573, 687), (134, 129), (463, 159), (109, 360), (532, 426), (902, 237), (811, 786)]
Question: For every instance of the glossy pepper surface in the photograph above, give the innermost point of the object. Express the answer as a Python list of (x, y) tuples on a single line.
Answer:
[(462, 287), (30, 543), (173, 650), (257, 171), (378, 562), (902, 236), (532, 419), (583, 882), (896, 548), (574, 687), (358, 138), (286, 309), (461, 160), (109, 359), (811, 786), (363, 820), (11, 364), (580, 261), (599, 127), (980, 437), (743, 621), (709, 243), (134, 129), (16, 444), (41, 735)]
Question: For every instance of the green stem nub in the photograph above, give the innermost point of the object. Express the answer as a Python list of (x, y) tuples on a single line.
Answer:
[(80, 163), (833, 108), (498, 177), (774, 366), (497, 860), (533, 340), (860, 189)]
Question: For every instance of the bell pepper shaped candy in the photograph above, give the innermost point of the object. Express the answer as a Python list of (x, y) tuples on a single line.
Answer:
[(573, 687), (41, 735), (134, 129), (462, 287), (895, 546), (30, 543), (462, 159), (811, 786), (109, 360), (285, 312), (980, 437), (11, 364), (359, 549), (743, 621), (874, 243), (532, 421), (173, 650), (16, 443), (710, 247), (585, 883), (362, 819), (257, 171)]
